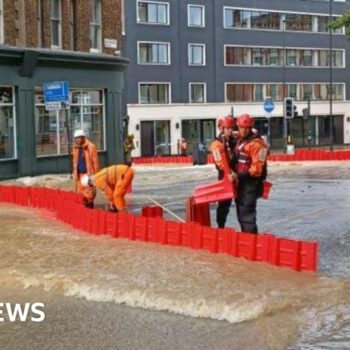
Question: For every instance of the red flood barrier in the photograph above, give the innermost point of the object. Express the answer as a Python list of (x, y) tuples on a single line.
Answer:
[(199, 213), (152, 212), (295, 254), (300, 155)]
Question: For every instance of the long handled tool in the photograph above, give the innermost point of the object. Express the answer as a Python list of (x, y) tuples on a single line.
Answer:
[(164, 208)]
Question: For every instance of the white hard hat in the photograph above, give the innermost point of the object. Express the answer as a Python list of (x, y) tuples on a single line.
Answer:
[(85, 180), (79, 133)]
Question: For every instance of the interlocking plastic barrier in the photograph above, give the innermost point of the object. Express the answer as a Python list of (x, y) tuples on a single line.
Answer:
[(151, 227), (300, 155)]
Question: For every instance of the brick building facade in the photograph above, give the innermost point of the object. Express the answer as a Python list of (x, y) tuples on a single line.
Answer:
[(29, 24), (75, 41)]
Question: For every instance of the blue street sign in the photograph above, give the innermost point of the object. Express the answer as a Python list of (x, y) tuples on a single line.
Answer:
[(269, 106), (56, 91)]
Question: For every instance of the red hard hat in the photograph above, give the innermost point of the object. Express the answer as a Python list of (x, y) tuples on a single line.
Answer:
[(226, 122), (245, 120)]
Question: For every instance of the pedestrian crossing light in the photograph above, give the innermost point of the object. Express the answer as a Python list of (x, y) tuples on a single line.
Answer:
[(289, 109)]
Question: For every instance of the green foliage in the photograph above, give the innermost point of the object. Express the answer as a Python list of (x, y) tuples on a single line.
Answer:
[(343, 21)]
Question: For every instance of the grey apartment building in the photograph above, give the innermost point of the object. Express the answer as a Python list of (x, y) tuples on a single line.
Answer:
[(194, 60)]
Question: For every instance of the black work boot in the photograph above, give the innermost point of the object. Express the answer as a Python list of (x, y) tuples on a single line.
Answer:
[(89, 205)]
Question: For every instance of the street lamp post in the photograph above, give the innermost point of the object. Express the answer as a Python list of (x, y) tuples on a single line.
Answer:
[(331, 75), (285, 125)]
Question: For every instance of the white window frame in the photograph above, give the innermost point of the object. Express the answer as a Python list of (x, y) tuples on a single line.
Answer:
[(313, 49), (188, 16), (204, 55), (138, 21), (281, 83), (2, 27), (99, 49), (189, 91), (153, 64), (282, 13), (157, 83), (13, 105), (59, 46)]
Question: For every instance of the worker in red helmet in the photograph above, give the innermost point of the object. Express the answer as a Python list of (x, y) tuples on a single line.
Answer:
[(251, 170), (223, 147)]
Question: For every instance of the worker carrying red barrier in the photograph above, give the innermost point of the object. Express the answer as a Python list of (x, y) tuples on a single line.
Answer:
[(250, 171), (222, 148), (85, 162), (114, 182)]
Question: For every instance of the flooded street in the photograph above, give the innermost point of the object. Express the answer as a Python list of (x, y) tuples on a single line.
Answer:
[(104, 293)]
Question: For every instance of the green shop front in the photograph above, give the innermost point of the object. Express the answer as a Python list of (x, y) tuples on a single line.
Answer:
[(36, 141)]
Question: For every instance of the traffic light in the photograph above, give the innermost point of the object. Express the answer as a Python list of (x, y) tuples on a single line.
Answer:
[(289, 107), (295, 112)]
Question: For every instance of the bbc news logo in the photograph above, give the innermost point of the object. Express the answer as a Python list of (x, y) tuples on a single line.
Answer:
[(17, 312)]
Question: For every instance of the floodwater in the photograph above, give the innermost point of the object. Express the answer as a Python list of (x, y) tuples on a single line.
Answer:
[(104, 293)]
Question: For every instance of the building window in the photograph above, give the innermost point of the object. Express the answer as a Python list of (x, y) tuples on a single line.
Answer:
[(56, 28), (73, 24), (236, 18), (153, 53), (198, 93), (271, 20), (95, 25), (1, 22), (196, 16), (7, 123), (301, 92), (86, 112), (291, 58), (154, 93), (153, 12), (196, 54), (39, 22), (274, 57)]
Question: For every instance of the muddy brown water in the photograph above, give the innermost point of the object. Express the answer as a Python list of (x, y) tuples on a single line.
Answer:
[(102, 293)]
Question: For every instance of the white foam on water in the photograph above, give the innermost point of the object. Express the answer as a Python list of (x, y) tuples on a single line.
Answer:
[(214, 308)]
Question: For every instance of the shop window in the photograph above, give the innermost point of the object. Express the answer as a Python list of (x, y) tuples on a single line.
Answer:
[(152, 12), (95, 25), (56, 25), (7, 123), (54, 130), (154, 53), (154, 93)]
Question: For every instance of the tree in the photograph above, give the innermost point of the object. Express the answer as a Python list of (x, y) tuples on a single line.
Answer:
[(343, 21)]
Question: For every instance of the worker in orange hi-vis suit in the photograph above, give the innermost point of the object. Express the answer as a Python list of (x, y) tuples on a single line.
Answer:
[(85, 162), (251, 171), (223, 148), (114, 181)]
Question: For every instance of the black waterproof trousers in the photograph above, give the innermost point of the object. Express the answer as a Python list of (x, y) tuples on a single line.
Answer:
[(248, 192)]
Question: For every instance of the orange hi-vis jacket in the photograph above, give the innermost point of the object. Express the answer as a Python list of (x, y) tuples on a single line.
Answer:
[(222, 150), (91, 159), (114, 182), (251, 153)]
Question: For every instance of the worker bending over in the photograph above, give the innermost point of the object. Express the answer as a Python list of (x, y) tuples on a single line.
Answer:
[(250, 171), (223, 148), (114, 182), (85, 162)]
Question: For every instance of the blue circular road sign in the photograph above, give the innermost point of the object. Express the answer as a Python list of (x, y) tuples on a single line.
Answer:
[(269, 106)]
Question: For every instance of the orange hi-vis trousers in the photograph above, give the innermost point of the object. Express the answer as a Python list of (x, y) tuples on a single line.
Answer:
[(114, 182)]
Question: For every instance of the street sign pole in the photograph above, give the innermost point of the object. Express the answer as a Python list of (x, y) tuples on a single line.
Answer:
[(269, 106)]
